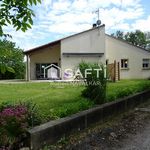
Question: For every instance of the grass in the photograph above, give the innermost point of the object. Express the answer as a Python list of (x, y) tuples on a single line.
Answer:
[(126, 87), (53, 100), (59, 100)]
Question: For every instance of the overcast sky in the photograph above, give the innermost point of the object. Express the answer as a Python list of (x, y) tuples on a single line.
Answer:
[(59, 18)]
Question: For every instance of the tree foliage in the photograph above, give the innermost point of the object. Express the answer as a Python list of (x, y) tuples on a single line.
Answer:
[(119, 34), (11, 61), (16, 13), (137, 38)]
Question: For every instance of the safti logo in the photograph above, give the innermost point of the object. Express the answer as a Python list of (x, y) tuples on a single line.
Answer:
[(70, 74), (54, 72)]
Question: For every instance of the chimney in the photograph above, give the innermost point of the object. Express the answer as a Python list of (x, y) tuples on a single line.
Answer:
[(94, 25)]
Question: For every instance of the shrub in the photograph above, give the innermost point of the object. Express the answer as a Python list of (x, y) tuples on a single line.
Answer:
[(34, 117), (14, 121), (12, 124), (4, 105), (95, 84)]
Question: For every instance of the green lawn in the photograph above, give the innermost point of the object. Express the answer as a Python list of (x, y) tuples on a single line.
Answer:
[(58, 100), (126, 87)]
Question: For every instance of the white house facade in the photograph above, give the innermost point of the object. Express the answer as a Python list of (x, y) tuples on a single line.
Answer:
[(134, 61), (90, 46)]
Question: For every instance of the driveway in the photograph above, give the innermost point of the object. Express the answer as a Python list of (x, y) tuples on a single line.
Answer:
[(129, 131), (139, 141)]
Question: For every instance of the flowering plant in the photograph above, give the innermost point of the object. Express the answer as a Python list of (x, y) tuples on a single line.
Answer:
[(14, 121), (13, 124)]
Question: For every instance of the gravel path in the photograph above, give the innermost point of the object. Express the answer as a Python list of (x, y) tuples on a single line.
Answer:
[(139, 141), (130, 131)]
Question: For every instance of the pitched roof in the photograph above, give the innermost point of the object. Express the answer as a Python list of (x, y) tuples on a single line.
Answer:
[(58, 41), (122, 40)]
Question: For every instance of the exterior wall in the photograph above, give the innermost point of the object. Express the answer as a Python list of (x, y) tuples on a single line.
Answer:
[(92, 41), (46, 55), (117, 50)]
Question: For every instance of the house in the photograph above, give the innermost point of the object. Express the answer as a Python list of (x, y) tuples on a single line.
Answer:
[(92, 45)]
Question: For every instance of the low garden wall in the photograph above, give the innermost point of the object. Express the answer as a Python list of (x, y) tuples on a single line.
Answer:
[(52, 131)]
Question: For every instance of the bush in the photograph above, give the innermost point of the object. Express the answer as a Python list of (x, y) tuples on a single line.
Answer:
[(34, 117), (12, 125), (14, 121), (95, 84)]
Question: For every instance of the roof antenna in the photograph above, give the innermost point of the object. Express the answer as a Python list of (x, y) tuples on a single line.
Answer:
[(98, 22)]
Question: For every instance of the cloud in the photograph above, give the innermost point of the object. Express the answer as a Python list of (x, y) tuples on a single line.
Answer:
[(68, 28), (142, 24), (58, 18), (112, 20), (67, 14), (122, 26), (61, 5)]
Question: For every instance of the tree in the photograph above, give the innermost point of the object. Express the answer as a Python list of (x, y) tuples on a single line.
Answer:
[(137, 38), (16, 13), (119, 34), (148, 40), (11, 60)]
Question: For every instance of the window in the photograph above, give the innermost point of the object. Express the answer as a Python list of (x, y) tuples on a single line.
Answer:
[(107, 61), (124, 63), (146, 63), (40, 69)]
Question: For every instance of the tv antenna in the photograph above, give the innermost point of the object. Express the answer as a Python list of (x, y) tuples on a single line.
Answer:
[(98, 14)]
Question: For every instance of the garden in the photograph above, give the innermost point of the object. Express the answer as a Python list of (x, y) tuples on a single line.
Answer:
[(25, 105), (57, 100)]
